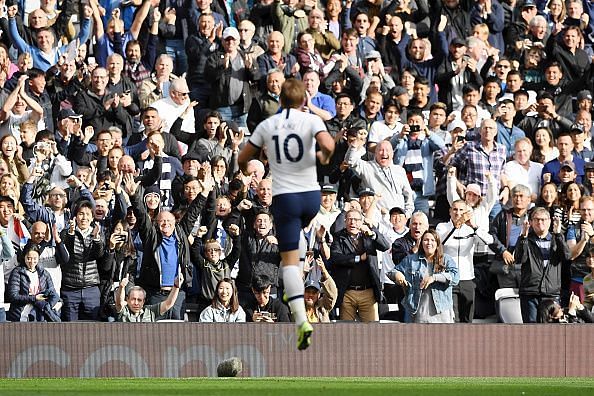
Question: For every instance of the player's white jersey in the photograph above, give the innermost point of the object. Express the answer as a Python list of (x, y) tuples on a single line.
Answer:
[(290, 143)]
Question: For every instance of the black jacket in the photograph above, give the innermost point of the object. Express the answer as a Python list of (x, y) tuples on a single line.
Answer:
[(78, 255), (150, 271), (18, 291), (258, 257), (342, 261), (536, 279), (445, 73), (220, 77)]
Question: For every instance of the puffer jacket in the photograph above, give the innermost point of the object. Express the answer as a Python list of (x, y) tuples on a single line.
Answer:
[(18, 291), (78, 255), (258, 257)]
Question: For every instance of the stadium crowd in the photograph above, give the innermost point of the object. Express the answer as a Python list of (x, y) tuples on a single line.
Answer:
[(463, 159)]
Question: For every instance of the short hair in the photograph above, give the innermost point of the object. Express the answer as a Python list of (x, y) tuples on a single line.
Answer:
[(150, 108), (83, 204), (414, 113), (469, 87), (421, 80), (131, 43), (138, 289), (537, 20), (351, 32), (586, 198), (539, 210), (344, 95), (35, 72), (438, 106), (545, 95), (514, 72), (292, 93), (421, 215), (28, 124), (261, 282), (393, 103), (523, 140), (520, 189)]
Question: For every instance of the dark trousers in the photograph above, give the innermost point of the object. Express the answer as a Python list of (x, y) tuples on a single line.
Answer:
[(463, 296), (393, 294), (529, 307), (176, 312), (80, 303)]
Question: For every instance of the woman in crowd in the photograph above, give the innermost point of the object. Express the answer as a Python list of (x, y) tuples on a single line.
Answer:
[(119, 262), (544, 151), (548, 198), (569, 209), (31, 291), (11, 154), (225, 306), (428, 277), (549, 311)]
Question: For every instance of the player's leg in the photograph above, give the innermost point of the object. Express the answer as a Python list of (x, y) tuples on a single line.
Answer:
[(289, 211)]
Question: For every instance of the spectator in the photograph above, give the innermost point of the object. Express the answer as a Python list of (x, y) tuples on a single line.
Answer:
[(506, 228), (429, 277), (414, 148), (230, 75), (382, 175), (541, 255), (320, 295), (460, 236), (166, 248), (79, 247), (31, 292), (264, 308), (354, 266), (133, 308), (225, 306)]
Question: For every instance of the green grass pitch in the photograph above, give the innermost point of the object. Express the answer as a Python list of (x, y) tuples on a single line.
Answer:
[(300, 386)]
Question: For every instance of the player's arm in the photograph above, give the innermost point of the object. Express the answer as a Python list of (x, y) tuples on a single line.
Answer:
[(249, 151), (326, 146)]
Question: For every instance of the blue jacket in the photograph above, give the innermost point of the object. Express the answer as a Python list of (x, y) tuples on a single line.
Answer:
[(430, 145), (412, 267), (40, 60)]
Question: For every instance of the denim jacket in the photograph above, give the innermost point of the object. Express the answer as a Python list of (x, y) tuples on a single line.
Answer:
[(412, 267)]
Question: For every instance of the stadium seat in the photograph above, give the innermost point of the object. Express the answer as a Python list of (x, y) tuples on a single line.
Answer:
[(507, 305)]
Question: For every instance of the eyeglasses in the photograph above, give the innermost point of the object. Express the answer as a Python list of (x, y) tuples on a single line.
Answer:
[(503, 66), (182, 93)]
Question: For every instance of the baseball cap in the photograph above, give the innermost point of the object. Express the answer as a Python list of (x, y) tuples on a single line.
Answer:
[(329, 189), (399, 90), (312, 283), (366, 192), (373, 55), (458, 41), (577, 128), (474, 188), (528, 3), (68, 113), (585, 94), (456, 124), (567, 164), (230, 32)]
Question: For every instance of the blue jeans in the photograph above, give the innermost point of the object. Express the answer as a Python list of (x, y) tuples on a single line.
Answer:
[(495, 211), (2, 315), (421, 203), (80, 303), (234, 113), (176, 50), (529, 306)]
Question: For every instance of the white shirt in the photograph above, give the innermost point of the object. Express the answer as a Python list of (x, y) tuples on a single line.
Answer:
[(169, 111), (290, 141), (530, 177), (380, 131)]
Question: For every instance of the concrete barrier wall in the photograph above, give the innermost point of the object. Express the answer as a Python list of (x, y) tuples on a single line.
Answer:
[(343, 349)]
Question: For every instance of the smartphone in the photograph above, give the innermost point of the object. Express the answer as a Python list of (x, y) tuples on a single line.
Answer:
[(460, 138), (91, 60)]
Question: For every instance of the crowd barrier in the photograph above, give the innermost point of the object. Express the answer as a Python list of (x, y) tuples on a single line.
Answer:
[(90, 349)]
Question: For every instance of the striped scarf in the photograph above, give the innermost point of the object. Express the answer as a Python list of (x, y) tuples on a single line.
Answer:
[(413, 164)]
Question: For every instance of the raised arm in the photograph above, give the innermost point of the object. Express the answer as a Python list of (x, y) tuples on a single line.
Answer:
[(141, 15)]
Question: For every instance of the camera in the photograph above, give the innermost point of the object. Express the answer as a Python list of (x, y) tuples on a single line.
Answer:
[(415, 128), (460, 138)]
